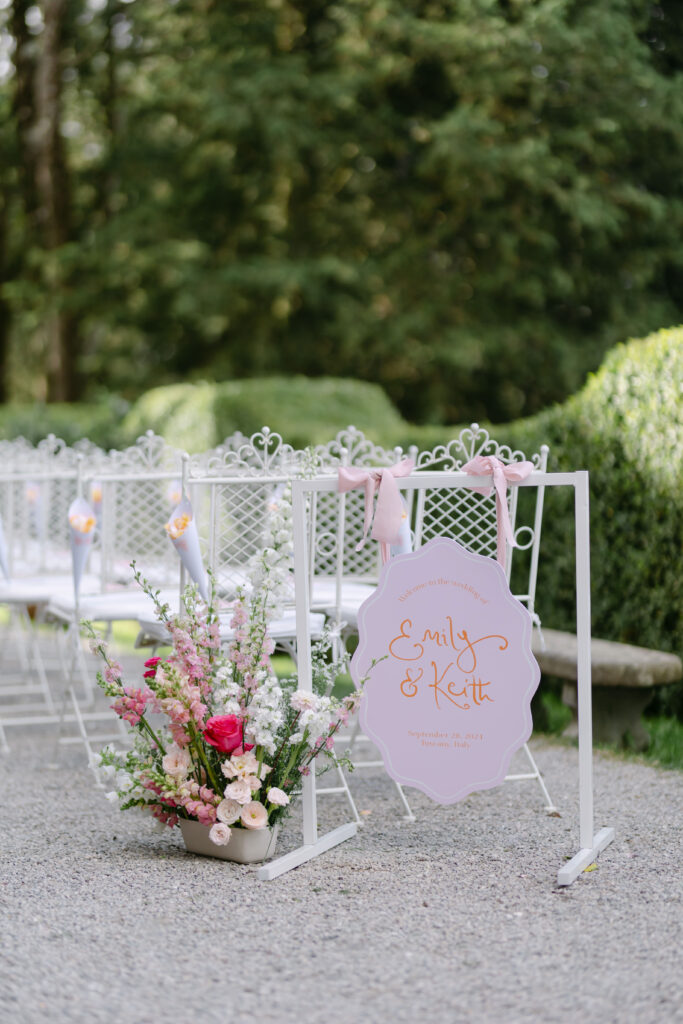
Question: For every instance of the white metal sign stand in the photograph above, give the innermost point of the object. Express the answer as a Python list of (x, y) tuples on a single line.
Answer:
[(591, 843)]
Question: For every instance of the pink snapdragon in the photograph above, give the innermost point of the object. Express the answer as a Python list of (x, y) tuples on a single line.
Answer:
[(204, 813), (180, 737), (130, 706), (165, 817), (189, 659), (112, 673)]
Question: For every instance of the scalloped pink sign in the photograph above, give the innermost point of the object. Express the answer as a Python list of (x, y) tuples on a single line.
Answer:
[(448, 699)]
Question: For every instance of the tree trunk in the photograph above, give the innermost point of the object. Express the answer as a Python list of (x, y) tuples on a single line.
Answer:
[(23, 104), (5, 317), (54, 209)]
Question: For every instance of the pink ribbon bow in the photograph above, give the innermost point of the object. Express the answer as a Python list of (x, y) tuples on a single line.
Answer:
[(483, 465), (386, 527)]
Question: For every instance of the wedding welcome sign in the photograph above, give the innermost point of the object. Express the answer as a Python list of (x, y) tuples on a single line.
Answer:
[(444, 658)]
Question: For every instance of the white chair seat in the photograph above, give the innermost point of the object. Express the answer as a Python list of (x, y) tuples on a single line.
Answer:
[(352, 597), (116, 606), (281, 629), (40, 590)]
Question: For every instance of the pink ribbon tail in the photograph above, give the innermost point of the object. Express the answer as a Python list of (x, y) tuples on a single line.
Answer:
[(503, 476), (386, 527)]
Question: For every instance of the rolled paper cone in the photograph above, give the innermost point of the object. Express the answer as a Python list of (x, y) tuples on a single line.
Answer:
[(174, 493), (404, 544), (4, 559), (182, 532), (82, 522)]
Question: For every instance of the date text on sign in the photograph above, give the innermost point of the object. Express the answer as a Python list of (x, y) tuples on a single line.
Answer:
[(447, 700)]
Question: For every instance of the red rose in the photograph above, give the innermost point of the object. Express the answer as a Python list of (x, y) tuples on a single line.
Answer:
[(225, 733)]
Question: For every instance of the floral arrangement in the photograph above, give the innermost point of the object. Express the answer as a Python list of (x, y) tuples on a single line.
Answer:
[(234, 739)]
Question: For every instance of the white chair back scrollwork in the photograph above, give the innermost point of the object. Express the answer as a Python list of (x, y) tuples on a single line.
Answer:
[(233, 489)]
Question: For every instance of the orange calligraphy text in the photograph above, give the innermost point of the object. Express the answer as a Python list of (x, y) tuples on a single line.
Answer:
[(405, 647)]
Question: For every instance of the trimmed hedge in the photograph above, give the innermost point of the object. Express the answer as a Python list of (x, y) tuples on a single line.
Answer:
[(304, 410), (100, 422)]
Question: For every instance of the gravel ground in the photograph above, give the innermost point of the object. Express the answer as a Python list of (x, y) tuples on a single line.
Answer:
[(453, 918)]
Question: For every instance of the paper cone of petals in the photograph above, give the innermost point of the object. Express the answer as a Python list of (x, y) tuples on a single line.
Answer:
[(96, 499), (82, 522), (182, 532), (404, 544), (174, 493)]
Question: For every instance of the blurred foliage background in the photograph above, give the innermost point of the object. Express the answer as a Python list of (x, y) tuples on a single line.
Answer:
[(465, 201)]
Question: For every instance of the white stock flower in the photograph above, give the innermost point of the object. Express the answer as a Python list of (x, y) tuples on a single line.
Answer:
[(123, 780), (265, 714), (303, 700), (112, 797), (230, 706)]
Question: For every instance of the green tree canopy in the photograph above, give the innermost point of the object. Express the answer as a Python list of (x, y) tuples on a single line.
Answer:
[(467, 201)]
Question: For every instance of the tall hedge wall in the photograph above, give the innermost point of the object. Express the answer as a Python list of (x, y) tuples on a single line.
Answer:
[(626, 428)]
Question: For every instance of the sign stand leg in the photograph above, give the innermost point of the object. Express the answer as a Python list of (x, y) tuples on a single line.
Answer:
[(313, 844), (591, 844)]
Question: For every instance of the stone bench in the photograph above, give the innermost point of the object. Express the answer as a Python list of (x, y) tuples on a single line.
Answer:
[(623, 677)]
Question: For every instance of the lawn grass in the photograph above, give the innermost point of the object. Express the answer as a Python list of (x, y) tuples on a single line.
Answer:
[(666, 742)]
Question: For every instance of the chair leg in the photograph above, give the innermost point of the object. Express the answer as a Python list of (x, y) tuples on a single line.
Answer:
[(534, 774)]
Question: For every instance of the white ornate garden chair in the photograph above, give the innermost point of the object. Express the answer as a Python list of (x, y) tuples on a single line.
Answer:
[(336, 527), (37, 485)]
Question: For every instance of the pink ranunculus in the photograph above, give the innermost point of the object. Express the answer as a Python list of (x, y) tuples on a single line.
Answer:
[(225, 733), (254, 815)]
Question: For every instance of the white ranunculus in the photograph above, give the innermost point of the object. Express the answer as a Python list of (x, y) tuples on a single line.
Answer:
[(219, 834), (238, 790), (278, 797), (228, 811)]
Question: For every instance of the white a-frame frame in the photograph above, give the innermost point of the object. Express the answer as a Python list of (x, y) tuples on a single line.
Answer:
[(303, 492)]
